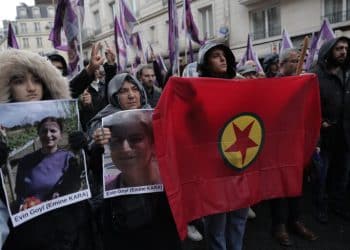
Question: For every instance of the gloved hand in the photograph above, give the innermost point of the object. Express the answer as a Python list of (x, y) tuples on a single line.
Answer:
[(4, 153), (77, 140)]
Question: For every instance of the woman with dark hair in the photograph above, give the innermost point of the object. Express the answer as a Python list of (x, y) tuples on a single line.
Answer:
[(48, 172), (136, 221), (225, 230)]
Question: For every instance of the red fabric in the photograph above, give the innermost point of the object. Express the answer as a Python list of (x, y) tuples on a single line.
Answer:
[(187, 123)]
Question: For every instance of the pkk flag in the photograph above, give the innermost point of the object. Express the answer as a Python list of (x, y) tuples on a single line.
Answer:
[(127, 22), (173, 37), (286, 42), (250, 55), (191, 27), (219, 153), (325, 34), (11, 38), (120, 47)]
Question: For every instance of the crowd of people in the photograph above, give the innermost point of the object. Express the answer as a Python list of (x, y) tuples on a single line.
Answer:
[(144, 221)]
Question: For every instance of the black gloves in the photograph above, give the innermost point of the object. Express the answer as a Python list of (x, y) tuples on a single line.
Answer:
[(77, 141)]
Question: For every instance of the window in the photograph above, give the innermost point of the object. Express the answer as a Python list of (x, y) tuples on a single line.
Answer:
[(37, 27), (207, 26), (25, 43), (337, 10), (112, 9), (36, 12), (22, 12), (134, 6), (39, 42), (23, 27), (51, 11), (266, 23), (152, 34), (97, 22)]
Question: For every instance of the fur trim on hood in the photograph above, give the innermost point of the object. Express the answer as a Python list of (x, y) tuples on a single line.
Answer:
[(13, 61)]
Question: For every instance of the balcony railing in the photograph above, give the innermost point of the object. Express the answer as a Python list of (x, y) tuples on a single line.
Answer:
[(248, 2), (337, 17)]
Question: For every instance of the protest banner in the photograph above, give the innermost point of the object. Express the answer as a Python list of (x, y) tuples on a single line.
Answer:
[(129, 162), (44, 170)]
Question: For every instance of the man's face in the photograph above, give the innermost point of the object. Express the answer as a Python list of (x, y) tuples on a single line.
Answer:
[(131, 147), (147, 77), (129, 96), (217, 61), (289, 66), (340, 52), (26, 87)]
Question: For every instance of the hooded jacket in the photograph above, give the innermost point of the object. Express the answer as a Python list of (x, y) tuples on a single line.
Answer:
[(113, 87), (268, 61), (15, 61), (335, 94), (203, 66)]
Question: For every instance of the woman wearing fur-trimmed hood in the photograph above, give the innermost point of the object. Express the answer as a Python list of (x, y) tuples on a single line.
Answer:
[(26, 76), (16, 63)]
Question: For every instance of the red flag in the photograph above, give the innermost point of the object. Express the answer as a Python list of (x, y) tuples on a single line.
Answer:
[(227, 144)]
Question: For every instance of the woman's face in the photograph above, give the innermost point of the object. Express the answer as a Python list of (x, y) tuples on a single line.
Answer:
[(26, 87), (131, 147), (217, 61), (50, 134), (129, 96)]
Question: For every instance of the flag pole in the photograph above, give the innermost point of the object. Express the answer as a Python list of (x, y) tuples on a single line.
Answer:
[(302, 55), (80, 42), (185, 28)]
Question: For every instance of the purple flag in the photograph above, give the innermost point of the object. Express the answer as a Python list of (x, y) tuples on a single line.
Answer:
[(188, 23), (137, 46), (286, 42), (11, 38), (173, 38), (250, 55), (159, 59), (67, 17), (161, 62), (127, 21), (120, 47), (325, 34)]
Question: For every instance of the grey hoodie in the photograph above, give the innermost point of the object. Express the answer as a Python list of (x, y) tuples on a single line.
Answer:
[(113, 87)]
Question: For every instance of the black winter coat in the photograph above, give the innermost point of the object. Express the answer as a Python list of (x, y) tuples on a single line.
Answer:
[(335, 98)]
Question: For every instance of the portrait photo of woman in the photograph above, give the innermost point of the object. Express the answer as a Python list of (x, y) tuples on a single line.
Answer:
[(49, 172), (132, 149)]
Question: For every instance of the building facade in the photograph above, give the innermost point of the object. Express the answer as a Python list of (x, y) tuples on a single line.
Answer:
[(32, 28), (222, 20)]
